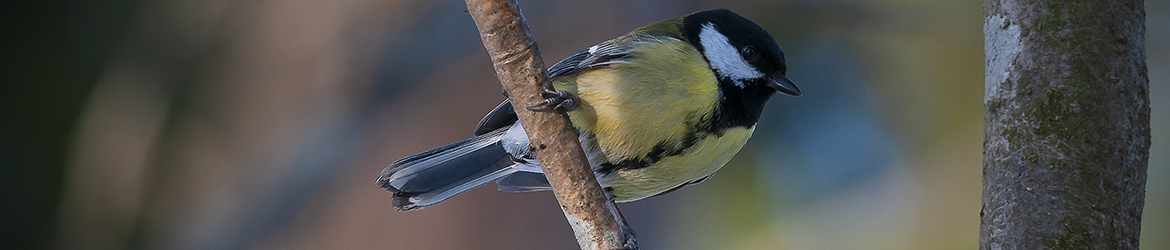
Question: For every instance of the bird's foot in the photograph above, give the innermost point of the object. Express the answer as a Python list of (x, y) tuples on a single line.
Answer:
[(627, 230), (631, 238), (557, 100)]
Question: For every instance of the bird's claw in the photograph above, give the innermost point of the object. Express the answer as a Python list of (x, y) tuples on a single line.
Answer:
[(563, 100), (627, 231), (631, 238)]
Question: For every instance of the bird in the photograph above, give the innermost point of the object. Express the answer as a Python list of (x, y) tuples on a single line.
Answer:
[(657, 109)]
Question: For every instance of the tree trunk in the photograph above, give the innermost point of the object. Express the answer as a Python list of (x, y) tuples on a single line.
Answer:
[(1067, 124)]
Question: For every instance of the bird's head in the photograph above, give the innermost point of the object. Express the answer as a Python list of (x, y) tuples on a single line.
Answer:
[(738, 50)]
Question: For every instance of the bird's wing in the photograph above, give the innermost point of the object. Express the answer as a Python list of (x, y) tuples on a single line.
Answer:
[(597, 56), (501, 117)]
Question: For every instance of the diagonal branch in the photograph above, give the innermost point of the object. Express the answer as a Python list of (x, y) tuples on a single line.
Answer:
[(553, 139)]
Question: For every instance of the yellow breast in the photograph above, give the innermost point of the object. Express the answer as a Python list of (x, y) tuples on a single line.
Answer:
[(657, 98), (700, 160), (631, 107)]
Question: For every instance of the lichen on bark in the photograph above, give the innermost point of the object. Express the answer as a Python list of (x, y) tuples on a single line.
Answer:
[(1067, 115)]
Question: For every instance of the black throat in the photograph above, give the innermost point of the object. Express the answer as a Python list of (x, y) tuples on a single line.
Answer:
[(738, 107)]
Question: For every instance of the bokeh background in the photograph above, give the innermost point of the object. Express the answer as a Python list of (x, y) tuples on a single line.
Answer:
[(262, 124)]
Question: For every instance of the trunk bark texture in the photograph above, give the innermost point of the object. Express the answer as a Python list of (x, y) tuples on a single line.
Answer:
[(1067, 124)]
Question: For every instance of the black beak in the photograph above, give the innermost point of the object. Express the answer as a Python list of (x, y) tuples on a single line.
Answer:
[(783, 85)]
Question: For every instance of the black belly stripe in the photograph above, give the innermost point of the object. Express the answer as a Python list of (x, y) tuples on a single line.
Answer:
[(662, 150)]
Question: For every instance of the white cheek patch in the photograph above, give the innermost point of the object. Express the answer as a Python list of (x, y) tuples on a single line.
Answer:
[(724, 57)]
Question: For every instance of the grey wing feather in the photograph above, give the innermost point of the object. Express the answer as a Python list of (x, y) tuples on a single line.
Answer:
[(502, 116), (599, 55)]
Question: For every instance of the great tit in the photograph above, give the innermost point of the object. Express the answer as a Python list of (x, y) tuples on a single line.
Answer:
[(657, 109)]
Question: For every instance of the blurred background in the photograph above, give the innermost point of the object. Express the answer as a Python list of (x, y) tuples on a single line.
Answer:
[(253, 124)]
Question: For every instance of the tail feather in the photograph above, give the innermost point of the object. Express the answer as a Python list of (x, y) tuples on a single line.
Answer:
[(436, 175), (521, 181)]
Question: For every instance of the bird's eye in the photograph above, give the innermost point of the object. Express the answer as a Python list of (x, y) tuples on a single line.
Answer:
[(749, 53)]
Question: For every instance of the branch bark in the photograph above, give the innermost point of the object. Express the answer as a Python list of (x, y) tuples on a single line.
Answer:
[(1067, 124), (554, 141)]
